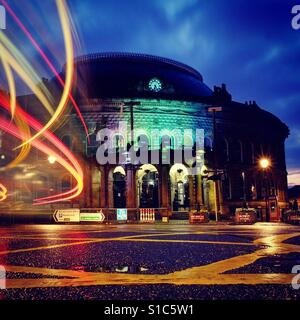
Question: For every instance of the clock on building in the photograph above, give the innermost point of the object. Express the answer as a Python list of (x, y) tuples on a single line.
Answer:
[(155, 85)]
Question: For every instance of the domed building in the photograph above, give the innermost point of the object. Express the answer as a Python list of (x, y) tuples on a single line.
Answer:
[(153, 94)]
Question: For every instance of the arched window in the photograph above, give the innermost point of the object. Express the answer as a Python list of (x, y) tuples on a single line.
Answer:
[(257, 151), (224, 150), (259, 189), (96, 184), (119, 187), (208, 145), (143, 141), (235, 154), (118, 141), (251, 190), (167, 143), (188, 141), (241, 185), (226, 187), (248, 152)]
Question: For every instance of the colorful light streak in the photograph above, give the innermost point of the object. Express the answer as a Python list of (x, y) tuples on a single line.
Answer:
[(13, 59), (11, 86), (28, 79), (63, 14), (3, 192), (48, 62), (23, 62), (71, 164), (19, 122), (73, 168)]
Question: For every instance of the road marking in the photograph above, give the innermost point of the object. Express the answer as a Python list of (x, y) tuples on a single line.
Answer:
[(199, 275)]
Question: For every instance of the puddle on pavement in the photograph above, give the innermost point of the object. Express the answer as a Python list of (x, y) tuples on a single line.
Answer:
[(119, 269)]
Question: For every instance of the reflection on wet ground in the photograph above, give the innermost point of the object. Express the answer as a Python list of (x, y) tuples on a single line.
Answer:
[(154, 261)]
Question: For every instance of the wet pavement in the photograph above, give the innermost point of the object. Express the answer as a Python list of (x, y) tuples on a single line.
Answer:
[(147, 261)]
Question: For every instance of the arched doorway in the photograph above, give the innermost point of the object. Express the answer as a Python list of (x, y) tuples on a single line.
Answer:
[(147, 186), (179, 187), (119, 187)]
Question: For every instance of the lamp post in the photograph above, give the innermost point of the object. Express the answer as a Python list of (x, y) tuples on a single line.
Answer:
[(131, 104), (244, 191), (52, 159), (215, 169), (265, 164)]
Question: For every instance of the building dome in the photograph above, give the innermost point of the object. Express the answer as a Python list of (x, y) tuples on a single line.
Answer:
[(126, 75)]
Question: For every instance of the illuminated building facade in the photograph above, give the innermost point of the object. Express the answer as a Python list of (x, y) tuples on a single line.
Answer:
[(148, 93)]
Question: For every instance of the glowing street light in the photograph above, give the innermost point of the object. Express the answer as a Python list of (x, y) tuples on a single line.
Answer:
[(264, 163), (52, 159)]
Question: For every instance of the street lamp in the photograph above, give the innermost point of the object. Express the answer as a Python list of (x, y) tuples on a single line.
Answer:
[(52, 159), (130, 166), (214, 110), (265, 164)]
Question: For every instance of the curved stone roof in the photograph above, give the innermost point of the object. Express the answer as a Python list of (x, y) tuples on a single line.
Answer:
[(128, 75)]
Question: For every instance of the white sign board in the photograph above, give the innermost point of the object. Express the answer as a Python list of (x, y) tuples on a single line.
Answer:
[(2, 18), (67, 215), (214, 109), (92, 216)]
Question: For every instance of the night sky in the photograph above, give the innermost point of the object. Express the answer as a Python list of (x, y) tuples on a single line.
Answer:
[(249, 45)]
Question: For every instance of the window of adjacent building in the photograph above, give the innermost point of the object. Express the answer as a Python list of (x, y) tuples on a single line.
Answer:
[(248, 156), (226, 187), (236, 155)]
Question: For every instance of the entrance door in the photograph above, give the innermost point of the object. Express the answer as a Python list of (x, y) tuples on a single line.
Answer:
[(147, 183), (119, 190)]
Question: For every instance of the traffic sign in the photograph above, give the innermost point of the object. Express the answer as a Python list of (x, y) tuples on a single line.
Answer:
[(92, 216), (66, 215), (121, 214)]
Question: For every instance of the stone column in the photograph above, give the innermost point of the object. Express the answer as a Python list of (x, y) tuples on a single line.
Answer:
[(88, 182), (199, 195), (105, 189), (192, 194), (130, 188), (164, 188), (103, 183)]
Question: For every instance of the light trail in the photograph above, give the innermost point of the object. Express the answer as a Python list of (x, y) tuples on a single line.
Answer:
[(23, 126), (13, 130), (62, 10), (26, 78), (12, 58), (13, 50), (11, 86), (47, 61), (3, 192), (72, 165), (19, 122)]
